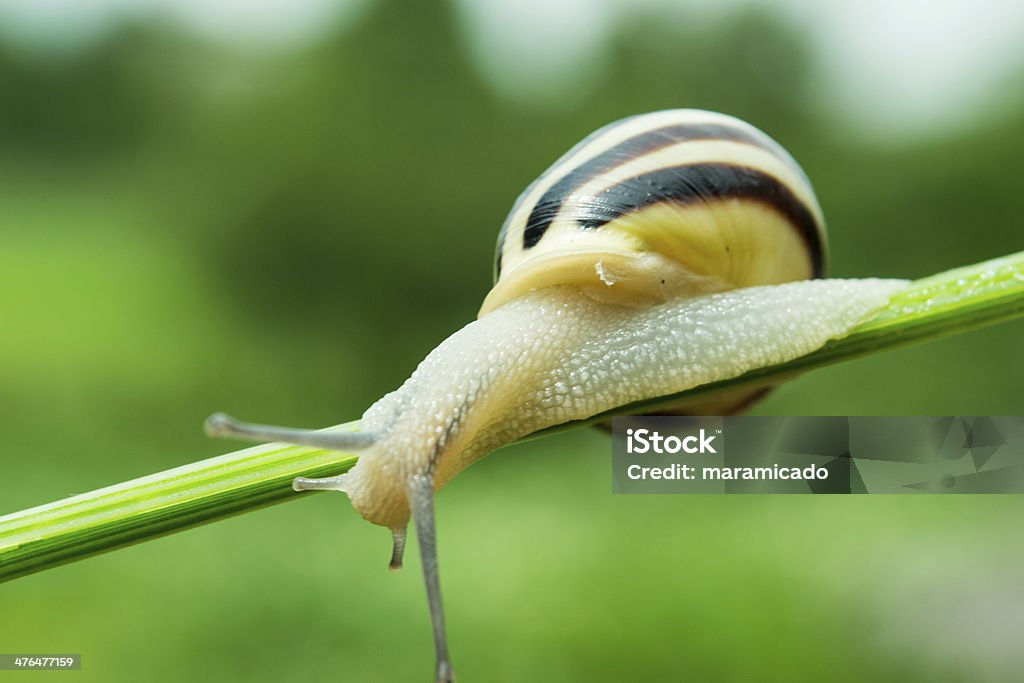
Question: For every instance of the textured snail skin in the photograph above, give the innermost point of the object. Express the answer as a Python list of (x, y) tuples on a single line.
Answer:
[(553, 355)]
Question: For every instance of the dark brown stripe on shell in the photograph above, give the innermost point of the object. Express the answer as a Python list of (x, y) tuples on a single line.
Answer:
[(704, 183)]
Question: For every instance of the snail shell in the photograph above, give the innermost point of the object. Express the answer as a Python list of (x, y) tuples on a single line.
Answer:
[(662, 205)]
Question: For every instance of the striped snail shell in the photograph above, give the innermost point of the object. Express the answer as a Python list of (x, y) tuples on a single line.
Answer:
[(660, 205), (663, 252)]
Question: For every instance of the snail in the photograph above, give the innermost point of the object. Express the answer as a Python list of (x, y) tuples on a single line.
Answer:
[(664, 251)]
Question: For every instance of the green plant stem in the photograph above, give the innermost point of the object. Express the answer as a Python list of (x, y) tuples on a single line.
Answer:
[(165, 502)]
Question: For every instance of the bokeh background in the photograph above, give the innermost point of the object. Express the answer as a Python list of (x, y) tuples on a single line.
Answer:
[(277, 209)]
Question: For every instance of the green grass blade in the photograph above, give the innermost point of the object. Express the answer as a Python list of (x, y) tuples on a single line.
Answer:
[(162, 503), (158, 504)]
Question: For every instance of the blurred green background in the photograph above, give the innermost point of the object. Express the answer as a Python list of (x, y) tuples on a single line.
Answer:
[(196, 220)]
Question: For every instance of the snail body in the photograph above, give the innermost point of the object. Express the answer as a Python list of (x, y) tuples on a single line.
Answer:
[(552, 356), (665, 251)]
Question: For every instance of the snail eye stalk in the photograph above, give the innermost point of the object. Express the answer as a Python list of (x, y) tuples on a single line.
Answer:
[(223, 426)]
